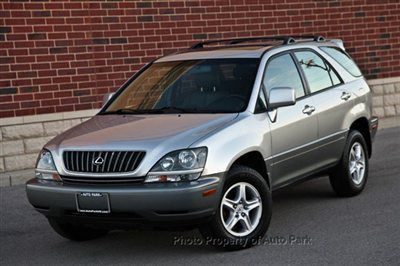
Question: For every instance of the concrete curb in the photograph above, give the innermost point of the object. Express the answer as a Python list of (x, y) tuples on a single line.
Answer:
[(389, 122)]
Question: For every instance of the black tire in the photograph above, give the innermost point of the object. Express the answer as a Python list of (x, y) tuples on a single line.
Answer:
[(216, 234), (340, 178), (76, 232)]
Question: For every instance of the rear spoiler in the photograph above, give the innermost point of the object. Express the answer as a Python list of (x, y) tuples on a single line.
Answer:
[(339, 43)]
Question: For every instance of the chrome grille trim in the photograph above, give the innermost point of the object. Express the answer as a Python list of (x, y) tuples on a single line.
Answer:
[(113, 161)]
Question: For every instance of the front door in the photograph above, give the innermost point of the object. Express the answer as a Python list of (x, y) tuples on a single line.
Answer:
[(294, 129)]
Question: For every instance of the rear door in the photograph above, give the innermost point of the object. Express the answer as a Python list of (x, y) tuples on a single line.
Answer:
[(332, 101), (294, 129)]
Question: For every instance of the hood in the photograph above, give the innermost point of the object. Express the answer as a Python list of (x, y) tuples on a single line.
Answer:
[(155, 132)]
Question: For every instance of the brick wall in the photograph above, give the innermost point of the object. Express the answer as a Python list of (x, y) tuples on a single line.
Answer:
[(64, 55)]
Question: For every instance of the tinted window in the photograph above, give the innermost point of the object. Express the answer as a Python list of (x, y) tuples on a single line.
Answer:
[(343, 59), (282, 72), (196, 86), (319, 75)]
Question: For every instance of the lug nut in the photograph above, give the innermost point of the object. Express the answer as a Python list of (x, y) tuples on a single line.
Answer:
[(242, 214)]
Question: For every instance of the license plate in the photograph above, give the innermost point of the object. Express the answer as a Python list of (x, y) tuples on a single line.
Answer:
[(93, 202)]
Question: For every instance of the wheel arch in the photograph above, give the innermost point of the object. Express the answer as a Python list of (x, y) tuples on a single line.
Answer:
[(254, 160), (361, 124)]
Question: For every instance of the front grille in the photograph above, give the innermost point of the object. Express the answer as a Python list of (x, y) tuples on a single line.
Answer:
[(102, 161)]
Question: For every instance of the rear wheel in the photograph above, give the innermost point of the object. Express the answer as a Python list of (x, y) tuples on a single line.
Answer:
[(350, 176), (75, 232), (244, 212)]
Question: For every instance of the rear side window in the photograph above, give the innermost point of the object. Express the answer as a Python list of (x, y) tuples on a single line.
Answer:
[(282, 72), (343, 59), (318, 73)]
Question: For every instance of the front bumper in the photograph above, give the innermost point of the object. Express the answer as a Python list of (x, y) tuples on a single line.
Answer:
[(157, 203)]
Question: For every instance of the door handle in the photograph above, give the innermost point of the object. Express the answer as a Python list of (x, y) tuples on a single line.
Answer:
[(345, 96), (308, 109)]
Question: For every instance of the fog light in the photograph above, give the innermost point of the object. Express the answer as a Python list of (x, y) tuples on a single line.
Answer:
[(47, 176)]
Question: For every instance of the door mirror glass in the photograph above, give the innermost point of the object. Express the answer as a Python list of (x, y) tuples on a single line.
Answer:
[(281, 96), (107, 97)]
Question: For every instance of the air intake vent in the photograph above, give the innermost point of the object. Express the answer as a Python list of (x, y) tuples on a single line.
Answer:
[(102, 161)]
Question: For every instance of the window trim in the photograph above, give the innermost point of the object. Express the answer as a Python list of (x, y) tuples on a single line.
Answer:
[(303, 81), (309, 93), (348, 56)]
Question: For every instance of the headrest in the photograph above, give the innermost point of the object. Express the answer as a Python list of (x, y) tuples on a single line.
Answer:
[(206, 81)]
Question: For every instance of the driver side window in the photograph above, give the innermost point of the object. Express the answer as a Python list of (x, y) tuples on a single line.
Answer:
[(282, 72)]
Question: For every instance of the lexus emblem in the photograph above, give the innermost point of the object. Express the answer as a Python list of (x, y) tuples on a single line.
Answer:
[(98, 161)]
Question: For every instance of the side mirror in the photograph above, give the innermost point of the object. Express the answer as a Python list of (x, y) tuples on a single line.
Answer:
[(281, 96), (107, 97)]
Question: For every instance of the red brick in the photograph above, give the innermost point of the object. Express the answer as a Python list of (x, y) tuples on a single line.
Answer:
[(62, 46)]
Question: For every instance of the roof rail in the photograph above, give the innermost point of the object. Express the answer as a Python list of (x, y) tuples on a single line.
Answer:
[(339, 43), (285, 40)]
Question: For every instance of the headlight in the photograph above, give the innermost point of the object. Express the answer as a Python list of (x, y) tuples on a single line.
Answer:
[(182, 165), (45, 168)]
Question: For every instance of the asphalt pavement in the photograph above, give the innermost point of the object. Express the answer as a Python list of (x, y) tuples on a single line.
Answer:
[(310, 225)]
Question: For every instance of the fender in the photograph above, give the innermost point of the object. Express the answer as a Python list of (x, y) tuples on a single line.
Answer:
[(231, 142)]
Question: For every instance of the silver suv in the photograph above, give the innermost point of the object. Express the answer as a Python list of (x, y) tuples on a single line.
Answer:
[(202, 137)]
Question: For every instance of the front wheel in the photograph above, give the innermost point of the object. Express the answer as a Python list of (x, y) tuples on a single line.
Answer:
[(75, 232), (350, 175), (244, 211)]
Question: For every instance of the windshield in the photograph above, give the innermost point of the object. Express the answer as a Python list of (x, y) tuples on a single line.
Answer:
[(192, 86)]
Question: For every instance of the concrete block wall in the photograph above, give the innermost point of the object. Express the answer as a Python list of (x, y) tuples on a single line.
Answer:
[(386, 96), (22, 138)]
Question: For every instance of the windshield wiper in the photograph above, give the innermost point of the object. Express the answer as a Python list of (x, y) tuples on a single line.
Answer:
[(172, 109), (125, 111), (163, 110)]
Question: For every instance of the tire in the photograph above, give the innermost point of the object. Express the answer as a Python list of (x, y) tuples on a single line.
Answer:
[(349, 177), (75, 232), (217, 233)]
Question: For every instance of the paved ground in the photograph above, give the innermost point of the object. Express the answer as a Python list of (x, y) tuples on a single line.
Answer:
[(364, 229)]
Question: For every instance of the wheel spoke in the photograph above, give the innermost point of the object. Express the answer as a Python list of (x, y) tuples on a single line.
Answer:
[(242, 192), (357, 150), (253, 204), (353, 169), (229, 203), (355, 174), (247, 222), (232, 222), (359, 174), (352, 155)]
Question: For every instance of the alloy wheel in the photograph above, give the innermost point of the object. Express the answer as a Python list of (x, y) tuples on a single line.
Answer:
[(241, 209), (357, 163)]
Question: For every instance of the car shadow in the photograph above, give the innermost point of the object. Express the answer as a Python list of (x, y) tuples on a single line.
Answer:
[(167, 243)]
